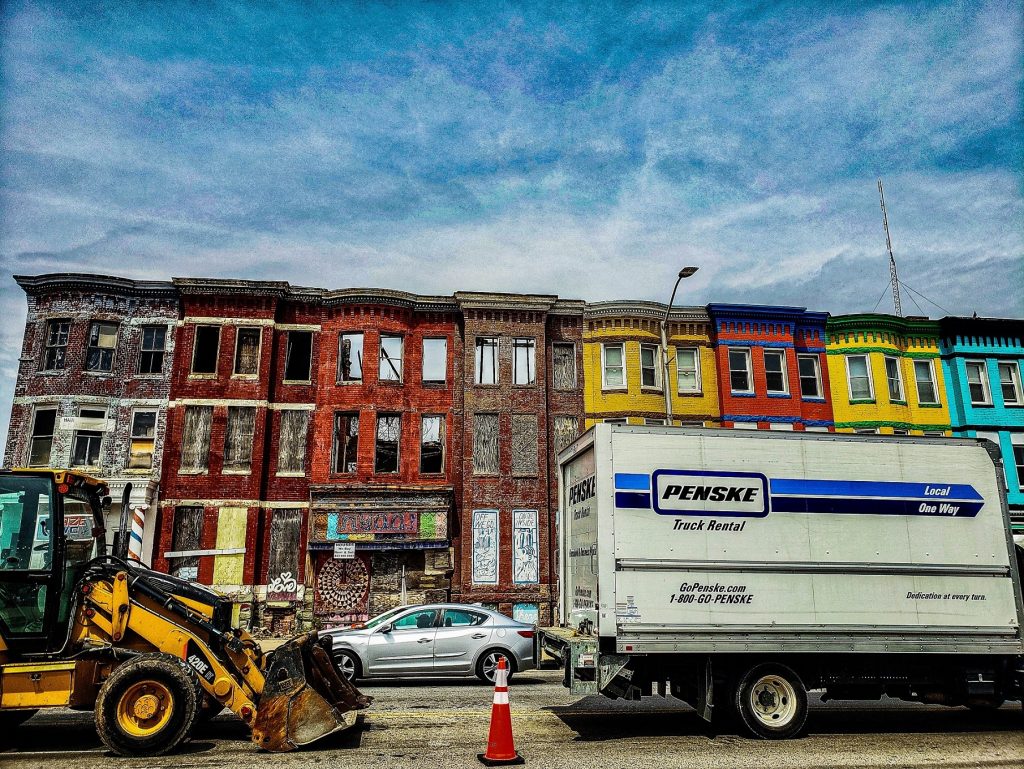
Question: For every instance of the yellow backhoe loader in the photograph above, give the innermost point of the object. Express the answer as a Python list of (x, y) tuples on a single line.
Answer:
[(148, 652)]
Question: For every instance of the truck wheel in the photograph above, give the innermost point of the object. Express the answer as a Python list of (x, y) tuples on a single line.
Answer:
[(772, 702), (348, 665), (487, 667), (147, 706)]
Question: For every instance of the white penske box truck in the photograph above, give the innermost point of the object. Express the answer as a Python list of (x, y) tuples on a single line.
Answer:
[(736, 570)]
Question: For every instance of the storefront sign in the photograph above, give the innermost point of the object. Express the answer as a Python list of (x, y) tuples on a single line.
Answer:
[(371, 523), (344, 550)]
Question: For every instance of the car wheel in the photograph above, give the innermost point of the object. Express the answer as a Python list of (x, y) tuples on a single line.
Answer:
[(348, 665), (772, 702), (487, 667)]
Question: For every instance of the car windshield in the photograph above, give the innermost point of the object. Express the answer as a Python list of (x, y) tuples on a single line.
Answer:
[(381, 618)]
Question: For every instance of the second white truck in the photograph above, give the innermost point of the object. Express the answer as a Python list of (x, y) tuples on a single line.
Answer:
[(737, 570)]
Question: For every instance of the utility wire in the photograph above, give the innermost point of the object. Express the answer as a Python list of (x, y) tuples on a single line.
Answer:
[(884, 291), (911, 288), (919, 308)]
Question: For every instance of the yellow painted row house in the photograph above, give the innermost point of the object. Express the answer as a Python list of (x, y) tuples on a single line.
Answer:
[(886, 375), (623, 368)]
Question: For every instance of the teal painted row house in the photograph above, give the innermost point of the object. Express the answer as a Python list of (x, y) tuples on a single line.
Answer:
[(983, 359)]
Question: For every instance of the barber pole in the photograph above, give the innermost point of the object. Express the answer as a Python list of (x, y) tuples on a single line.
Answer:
[(135, 539), (500, 748)]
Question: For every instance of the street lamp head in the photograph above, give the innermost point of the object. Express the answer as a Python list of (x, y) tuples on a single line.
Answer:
[(687, 271)]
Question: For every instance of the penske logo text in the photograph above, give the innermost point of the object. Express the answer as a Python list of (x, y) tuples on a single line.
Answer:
[(695, 492)]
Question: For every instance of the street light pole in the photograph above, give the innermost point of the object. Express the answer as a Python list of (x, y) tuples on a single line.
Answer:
[(683, 273)]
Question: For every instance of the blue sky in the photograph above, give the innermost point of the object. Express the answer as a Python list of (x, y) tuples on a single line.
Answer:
[(441, 146)]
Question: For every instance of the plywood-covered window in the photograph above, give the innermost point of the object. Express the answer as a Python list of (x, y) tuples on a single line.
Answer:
[(291, 452), (485, 444), (298, 356), (567, 429), (346, 442), (563, 364), (238, 439), (389, 433), (350, 357), (432, 444), (247, 352), (205, 350), (99, 355), (143, 439), (187, 538), (195, 439), (283, 566), (524, 444)]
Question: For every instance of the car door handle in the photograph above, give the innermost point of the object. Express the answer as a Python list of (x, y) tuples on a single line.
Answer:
[(423, 641), (479, 635)]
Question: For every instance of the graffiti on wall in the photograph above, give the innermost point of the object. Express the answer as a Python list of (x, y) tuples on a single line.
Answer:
[(339, 524), (485, 547), (525, 550)]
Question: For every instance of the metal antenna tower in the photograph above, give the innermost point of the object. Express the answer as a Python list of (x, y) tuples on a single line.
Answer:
[(893, 278)]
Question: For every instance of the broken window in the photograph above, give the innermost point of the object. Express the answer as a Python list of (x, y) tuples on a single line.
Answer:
[(350, 357), (188, 536), (143, 440), (42, 436), (390, 358), (283, 568), (389, 430), (57, 332), (563, 361), (298, 356), (487, 360), (291, 451), (566, 431), (238, 438), (432, 444), (524, 361), (485, 444), (99, 355), (650, 375), (524, 444), (151, 351), (247, 352), (205, 350), (195, 439), (89, 429), (346, 442), (435, 360)]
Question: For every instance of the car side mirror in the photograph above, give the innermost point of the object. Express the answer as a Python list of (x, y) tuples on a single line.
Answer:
[(387, 628)]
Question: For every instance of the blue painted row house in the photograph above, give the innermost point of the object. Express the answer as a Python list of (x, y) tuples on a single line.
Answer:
[(983, 360)]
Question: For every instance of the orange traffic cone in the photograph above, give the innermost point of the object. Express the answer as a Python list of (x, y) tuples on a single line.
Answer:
[(500, 750)]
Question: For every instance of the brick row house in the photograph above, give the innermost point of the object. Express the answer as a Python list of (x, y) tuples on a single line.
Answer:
[(92, 386)]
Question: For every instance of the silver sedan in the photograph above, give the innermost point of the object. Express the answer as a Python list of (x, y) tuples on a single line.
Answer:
[(443, 639)]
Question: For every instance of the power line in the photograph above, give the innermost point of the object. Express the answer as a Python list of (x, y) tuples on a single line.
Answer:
[(911, 288)]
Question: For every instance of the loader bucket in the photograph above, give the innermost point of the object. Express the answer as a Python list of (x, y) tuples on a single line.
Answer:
[(304, 698)]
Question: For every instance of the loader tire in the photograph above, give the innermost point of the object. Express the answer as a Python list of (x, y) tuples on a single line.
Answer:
[(147, 706)]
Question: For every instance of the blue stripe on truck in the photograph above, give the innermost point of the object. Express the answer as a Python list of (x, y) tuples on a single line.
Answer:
[(633, 481), (891, 489), (876, 506), (633, 499)]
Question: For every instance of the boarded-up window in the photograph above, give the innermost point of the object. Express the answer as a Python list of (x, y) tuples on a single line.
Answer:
[(188, 533), (563, 361), (346, 442), (247, 352), (229, 563), (195, 439), (432, 444), (524, 444), (206, 350), (283, 569), (566, 431), (389, 431), (485, 444), (291, 457), (298, 356), (143, 440), (238, 438)]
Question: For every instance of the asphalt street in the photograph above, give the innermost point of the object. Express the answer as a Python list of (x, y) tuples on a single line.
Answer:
[(444, 724)]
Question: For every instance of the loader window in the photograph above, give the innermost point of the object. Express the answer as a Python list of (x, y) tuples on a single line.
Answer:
[(26, 545)]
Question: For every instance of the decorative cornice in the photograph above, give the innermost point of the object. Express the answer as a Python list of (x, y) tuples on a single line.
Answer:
[(953, 326), (41, 285), (767, 312), (911, 326), (390, 297), (625, 308), (485, 300)]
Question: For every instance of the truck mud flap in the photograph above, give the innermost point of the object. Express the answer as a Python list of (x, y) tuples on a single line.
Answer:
[(304, 699)]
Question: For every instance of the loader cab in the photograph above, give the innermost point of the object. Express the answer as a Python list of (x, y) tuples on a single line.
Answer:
[(48, 526)]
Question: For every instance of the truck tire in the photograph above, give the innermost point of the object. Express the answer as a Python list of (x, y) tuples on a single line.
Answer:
[(147, 706), (772, 702)]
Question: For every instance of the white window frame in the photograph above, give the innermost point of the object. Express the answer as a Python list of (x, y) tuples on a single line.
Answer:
[(1017, 441), (849, 379), (983, 380), (695, 351), (1014, 368), (749, 364), (817, 375), (132, 437), (785, 370), (901, 395), (931, 376), (657, 366), (604, 367), (443, 340)]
